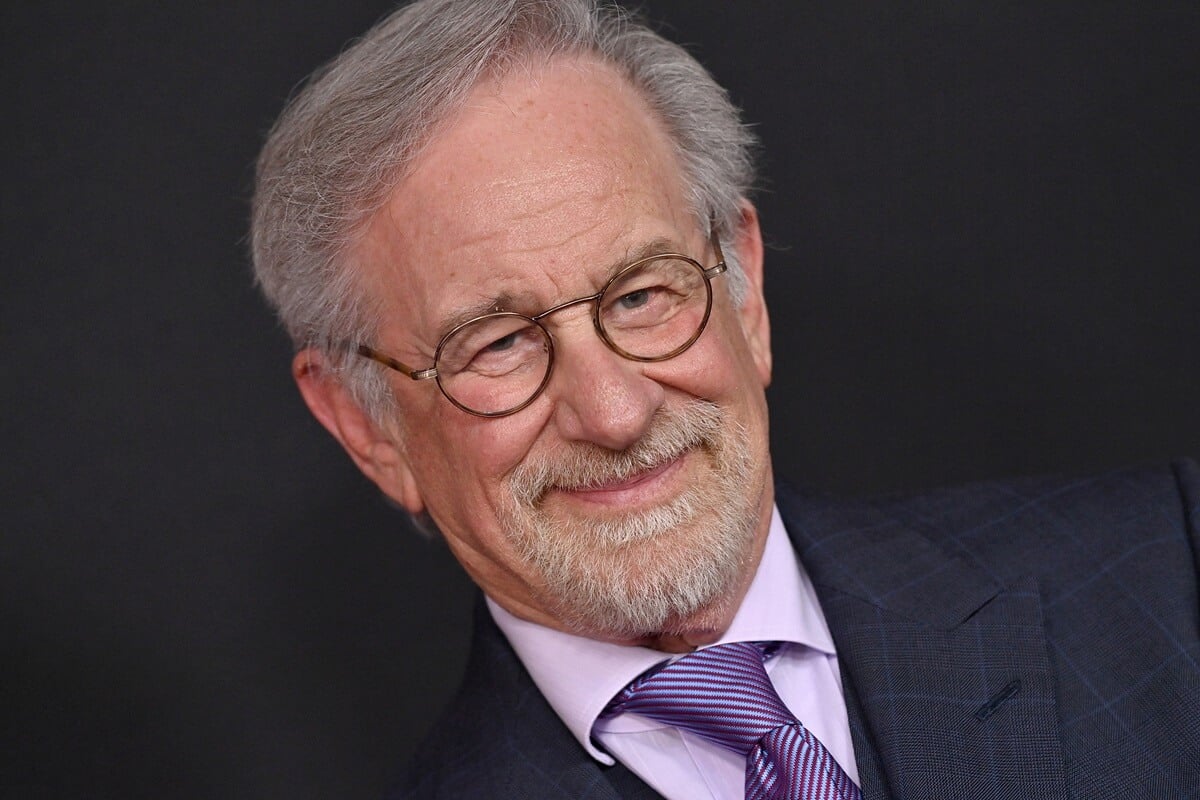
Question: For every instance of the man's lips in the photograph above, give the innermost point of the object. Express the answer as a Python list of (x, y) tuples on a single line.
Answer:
[(627, 491)]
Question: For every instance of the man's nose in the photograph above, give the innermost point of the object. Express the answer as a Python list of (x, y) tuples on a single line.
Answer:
[(600, 397)]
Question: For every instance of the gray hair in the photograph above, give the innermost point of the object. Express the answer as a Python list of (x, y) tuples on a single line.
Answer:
[(351, 135)]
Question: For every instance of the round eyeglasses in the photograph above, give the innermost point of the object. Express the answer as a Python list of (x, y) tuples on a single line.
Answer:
[(498, 363)]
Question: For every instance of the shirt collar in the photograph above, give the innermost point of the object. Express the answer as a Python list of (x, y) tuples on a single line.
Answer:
[(579, 676)]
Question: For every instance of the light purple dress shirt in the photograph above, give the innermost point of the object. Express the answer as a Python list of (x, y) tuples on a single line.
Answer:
[(579, 676)]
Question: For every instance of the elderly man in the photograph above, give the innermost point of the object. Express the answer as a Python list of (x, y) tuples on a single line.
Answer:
[(512, 242)]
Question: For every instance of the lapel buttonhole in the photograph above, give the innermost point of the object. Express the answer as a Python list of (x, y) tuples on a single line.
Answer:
[(998, 699)]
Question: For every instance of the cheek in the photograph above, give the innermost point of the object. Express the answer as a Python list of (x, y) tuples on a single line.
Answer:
[(722, 357), (460, 460), (732, 322)]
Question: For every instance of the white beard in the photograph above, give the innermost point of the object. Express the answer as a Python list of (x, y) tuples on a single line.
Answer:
[(633, 574)]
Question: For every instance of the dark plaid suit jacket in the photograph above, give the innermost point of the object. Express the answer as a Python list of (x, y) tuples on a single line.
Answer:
[(1033, 639)]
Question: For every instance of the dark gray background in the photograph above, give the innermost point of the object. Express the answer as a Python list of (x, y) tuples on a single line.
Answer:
[(983, 221)]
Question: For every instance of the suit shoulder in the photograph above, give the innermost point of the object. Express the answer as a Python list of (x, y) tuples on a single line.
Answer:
[(1035, 503), (1177, 484), (1048, 526), (1055, 525)]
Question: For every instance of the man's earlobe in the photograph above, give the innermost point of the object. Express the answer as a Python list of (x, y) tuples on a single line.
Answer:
[(753, 313), (375, 451)]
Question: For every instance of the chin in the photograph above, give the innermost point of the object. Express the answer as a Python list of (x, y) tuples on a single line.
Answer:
[(676, 582), (675, 565)]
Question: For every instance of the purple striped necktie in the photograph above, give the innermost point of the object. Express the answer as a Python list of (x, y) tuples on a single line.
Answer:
[(723, 694)]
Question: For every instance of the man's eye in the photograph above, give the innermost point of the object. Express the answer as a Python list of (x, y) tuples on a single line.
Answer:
[(502, 344), (634, 299)]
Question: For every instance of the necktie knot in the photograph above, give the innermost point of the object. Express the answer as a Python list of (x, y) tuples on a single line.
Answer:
[(723, 694)]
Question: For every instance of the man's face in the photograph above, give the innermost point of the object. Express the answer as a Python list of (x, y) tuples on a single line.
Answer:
[(630, 500)]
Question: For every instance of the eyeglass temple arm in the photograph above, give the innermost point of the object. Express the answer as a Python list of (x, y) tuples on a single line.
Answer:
[(388, 361), (720, 266)]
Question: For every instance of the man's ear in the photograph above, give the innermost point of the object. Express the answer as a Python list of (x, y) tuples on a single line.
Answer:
[(755, 323), (375, 451)]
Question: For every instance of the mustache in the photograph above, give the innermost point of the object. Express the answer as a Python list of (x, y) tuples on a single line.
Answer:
[(579, 466)]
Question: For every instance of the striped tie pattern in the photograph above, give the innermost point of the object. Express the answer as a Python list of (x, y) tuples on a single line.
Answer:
[(723, 694)]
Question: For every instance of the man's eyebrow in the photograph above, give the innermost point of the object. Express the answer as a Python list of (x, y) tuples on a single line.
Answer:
[(505, 301), (655, 247), (523, 302)]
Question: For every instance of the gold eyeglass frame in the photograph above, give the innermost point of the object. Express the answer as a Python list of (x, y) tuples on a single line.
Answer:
[(708, 273)]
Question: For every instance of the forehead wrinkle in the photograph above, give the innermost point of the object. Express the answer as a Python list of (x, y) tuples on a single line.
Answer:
[(533, 224)]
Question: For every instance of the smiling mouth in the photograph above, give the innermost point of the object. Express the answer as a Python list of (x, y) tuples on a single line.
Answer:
[(652, 471), (631, 490)]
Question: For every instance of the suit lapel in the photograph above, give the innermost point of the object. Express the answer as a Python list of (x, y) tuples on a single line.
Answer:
[(949, 686), (500, 738)]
